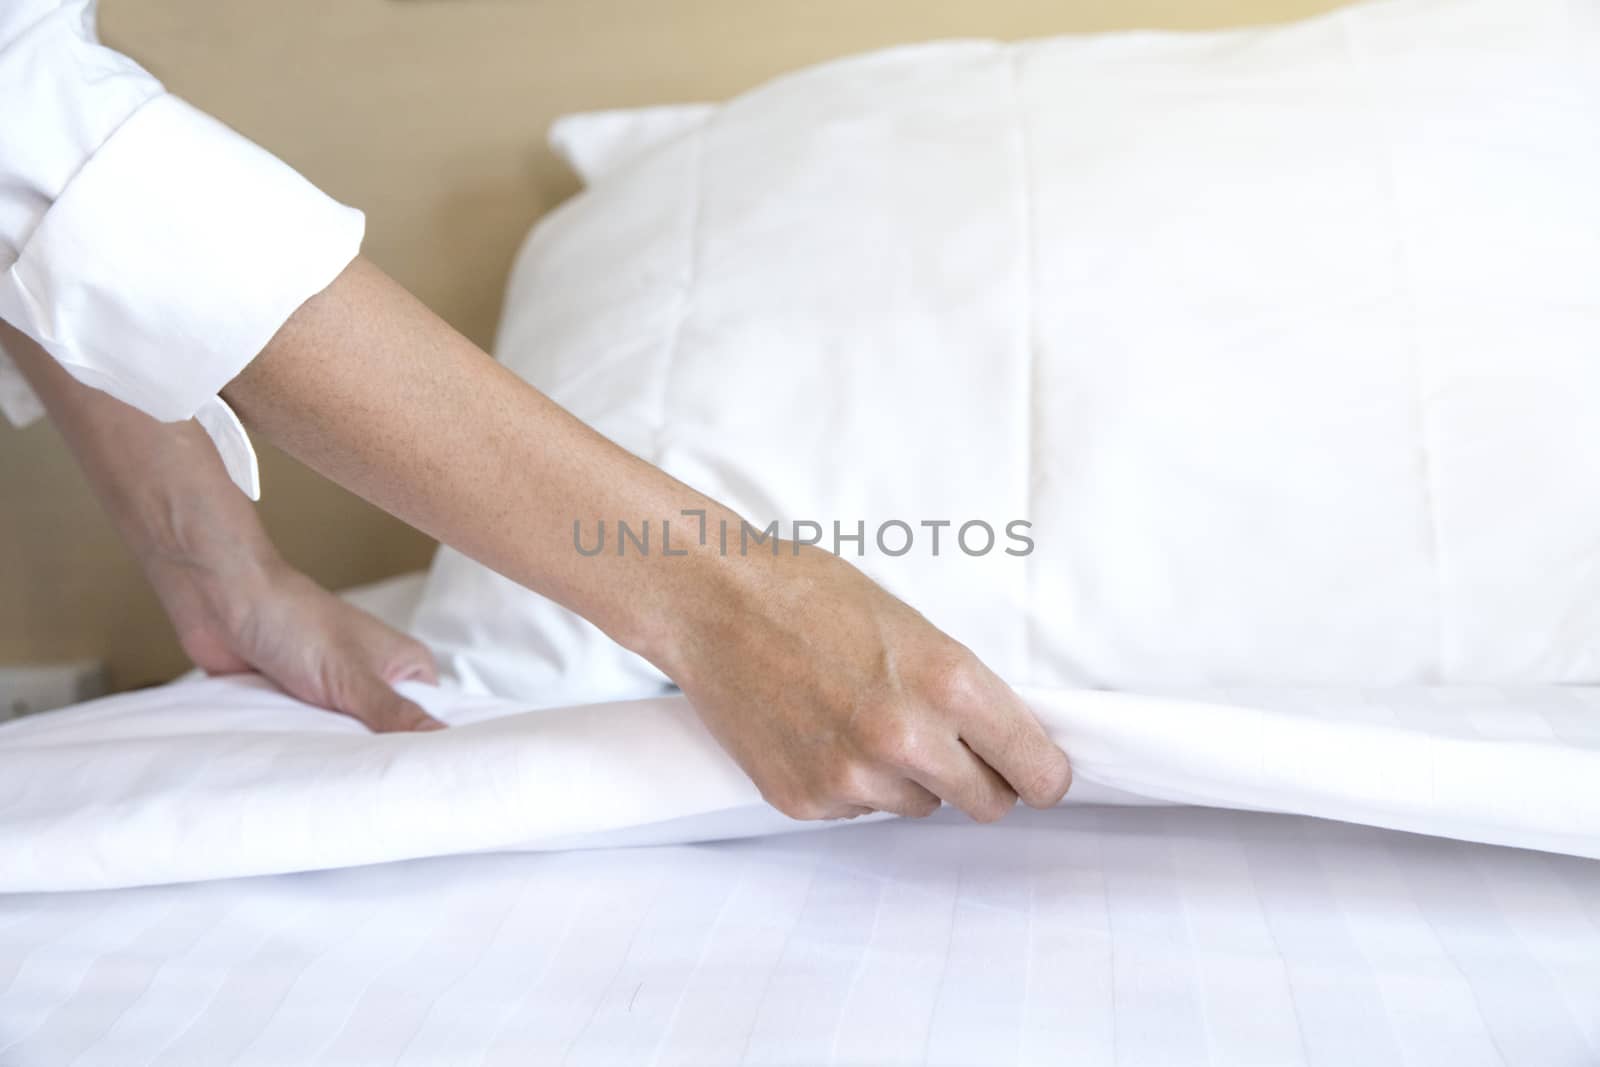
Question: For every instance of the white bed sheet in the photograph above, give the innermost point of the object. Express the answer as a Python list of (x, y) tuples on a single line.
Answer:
[(1087, 936), (227, 777)]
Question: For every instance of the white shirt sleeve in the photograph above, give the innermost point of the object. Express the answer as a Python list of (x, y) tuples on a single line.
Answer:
[(148, 248)]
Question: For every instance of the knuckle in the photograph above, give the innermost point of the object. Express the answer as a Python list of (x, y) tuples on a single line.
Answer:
[(848, 783), (898, 740), (954, 681)]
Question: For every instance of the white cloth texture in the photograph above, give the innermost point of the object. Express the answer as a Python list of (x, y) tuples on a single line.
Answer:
[(597, 143), (152, 251), (1088, 934), (1091, 936), (227, 777), (1285, 341)]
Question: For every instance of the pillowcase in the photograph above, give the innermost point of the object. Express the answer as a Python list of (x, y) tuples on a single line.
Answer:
[(1282, 344), (595, 143)]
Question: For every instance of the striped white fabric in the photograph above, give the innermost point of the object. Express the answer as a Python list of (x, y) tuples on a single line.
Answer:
[(227, 777), (1089, 936)]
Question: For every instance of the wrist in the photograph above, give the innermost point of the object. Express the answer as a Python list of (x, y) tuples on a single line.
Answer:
[(208, 560), (201, 533), (211, 594), (701, 605)]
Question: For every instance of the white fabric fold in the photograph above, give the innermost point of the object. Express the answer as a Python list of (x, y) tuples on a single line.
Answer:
[(107, 281), (227, 777), (150, 249), (233, 445)]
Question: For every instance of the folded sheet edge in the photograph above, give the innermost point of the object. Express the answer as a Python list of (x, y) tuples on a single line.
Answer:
[(227, 777)]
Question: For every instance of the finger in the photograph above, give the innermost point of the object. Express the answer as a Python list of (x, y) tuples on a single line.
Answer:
[(953, 773), (905, 798), (1005, 734), (414, 664), (372, 701), (846, 814)]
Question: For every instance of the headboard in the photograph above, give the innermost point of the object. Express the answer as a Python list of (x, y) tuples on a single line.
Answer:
[(430, 115)]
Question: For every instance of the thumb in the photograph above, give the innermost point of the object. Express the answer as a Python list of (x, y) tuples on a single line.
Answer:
[(374, 702)]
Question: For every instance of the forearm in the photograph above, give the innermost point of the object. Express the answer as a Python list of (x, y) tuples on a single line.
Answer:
[(369, 387), (162, 484), (834, 695)]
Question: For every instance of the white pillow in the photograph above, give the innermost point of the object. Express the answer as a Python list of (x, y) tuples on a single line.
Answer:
[(596, 143), (1285, 341)]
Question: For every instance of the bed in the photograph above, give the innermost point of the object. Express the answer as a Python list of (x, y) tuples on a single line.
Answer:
[(1095, 935), (1306, 440), (1118, 930)]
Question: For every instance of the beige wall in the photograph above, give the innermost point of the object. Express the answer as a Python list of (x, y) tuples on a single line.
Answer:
[(429, 114)]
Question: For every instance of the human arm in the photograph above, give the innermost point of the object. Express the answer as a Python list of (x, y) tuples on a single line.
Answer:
[(833, 695), (235, 604), (154, 254)]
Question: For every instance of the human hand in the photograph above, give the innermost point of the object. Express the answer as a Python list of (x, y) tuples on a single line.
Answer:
[(838, 699), (236, 605), (265, 616), (834, 696)]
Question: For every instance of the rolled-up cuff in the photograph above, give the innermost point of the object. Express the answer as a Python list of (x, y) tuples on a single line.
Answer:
[(21, 406), (172, 258), (233, 445)]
